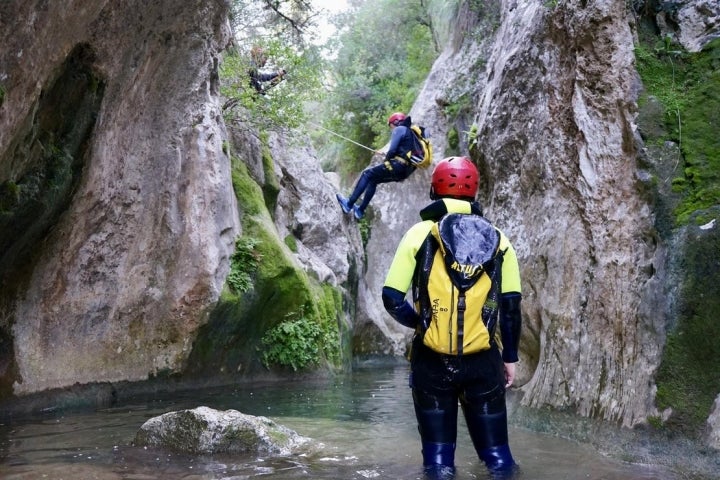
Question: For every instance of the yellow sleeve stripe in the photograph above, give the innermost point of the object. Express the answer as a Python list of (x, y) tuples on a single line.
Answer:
[(510, 268), (401, 270)]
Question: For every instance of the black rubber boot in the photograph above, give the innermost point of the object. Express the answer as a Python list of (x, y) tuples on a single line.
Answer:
[(499, 461), (438, 460)]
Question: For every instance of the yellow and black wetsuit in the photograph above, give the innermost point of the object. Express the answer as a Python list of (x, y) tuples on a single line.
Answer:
[(476, 381)]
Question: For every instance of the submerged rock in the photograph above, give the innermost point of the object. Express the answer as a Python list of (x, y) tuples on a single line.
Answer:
[(207, 431)]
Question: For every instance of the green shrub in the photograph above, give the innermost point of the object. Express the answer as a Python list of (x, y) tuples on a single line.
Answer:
[(243, 263), (365, 230), (453, 139), (300, 342)]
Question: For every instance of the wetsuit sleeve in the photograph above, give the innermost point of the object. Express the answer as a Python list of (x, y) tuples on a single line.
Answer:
[(510, 297), (510, 325), (394, 149), (399, 308)]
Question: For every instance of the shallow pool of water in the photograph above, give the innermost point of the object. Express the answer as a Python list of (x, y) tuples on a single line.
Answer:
[(364, 423)]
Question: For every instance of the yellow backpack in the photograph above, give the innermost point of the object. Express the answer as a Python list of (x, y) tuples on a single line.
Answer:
[(457, 284), (422, 155)]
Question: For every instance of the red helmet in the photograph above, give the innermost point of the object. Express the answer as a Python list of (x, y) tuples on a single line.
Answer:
[(455, 177), (396, 118)]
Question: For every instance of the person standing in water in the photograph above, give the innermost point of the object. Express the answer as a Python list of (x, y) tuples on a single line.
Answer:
[(466, 288)]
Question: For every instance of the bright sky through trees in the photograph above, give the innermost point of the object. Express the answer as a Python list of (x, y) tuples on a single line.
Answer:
[(327, 7)]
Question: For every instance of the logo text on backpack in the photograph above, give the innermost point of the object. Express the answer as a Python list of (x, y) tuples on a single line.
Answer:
[(468, 270)]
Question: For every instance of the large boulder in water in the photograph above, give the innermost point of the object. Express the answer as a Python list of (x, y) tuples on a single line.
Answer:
[(204, 430)]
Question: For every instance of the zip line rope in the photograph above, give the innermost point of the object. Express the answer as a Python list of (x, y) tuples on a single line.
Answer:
[(344, 138)]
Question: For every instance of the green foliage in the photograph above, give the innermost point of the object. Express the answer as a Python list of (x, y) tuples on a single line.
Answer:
[(551, 4), (472, 138), (459, 106), (291, 243), (300, 341), (453, 140), (688, 86), (2, 94), (281, 107), (364, 228), (243, 264), (291, 21), (655, 421), (381, 64), (286, 31), (294, 342)]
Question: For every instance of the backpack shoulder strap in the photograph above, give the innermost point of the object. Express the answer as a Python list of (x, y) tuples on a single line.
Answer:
[(423, 266)]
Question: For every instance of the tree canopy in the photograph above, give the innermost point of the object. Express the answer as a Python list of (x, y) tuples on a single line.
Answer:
[(385, 50), (284, 30), (373, 66)]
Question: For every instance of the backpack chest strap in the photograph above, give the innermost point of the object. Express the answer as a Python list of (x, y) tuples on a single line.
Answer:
[(461, 307)]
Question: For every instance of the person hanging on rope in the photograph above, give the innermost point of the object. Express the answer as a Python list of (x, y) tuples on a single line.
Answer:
[(258, 59), (395, 167)]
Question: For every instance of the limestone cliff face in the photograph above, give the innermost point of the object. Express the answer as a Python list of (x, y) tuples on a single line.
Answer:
[(117, 215), (556, 138), (554, 92), (117, 211)]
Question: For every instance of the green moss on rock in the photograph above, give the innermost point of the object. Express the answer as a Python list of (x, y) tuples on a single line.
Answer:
[(271, 187), (291, 243), (688, 379), (688, 87), (453, 141), (679, 118), (281, 297)]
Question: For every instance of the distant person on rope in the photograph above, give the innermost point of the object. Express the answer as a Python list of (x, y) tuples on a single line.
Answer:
[(395, 167), (258, 77), (466, 290)]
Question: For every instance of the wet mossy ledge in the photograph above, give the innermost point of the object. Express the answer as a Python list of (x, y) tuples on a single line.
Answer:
[(679, 117), (272, 317), (688, 380)]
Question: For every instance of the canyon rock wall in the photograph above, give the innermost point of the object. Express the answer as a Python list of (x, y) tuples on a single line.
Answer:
[(118, 216)]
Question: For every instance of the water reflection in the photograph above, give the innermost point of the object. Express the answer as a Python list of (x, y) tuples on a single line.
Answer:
[(364, 424)]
